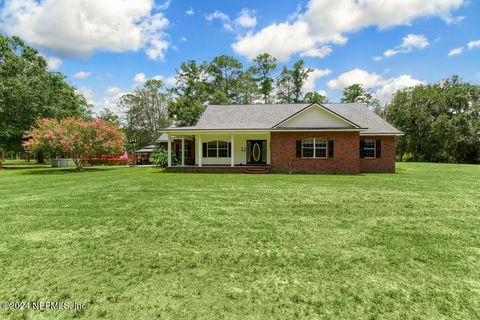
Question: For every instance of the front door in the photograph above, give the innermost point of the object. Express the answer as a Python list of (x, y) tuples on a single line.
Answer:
[(256, 151)]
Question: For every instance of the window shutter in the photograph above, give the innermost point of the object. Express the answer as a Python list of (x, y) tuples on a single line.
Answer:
[(378, 148), (299, 148), (249, 153), (229, 149), (204, 150), (362, 146), (330, 148)]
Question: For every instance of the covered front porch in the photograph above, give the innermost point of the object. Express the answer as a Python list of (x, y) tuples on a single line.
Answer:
[(220, 151)]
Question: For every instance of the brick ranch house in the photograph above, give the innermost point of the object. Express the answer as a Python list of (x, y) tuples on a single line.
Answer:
[(289, 138)]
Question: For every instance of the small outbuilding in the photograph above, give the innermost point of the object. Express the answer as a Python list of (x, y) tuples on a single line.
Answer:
[(143, 155)]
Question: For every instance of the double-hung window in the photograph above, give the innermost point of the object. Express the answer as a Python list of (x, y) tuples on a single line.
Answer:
[(314, 148), (369, 148), (217, 149)]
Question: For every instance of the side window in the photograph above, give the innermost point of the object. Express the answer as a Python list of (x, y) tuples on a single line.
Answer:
[(369, 148)]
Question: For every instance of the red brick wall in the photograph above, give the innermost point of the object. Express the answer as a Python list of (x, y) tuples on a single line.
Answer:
[(345, 159), (346, 154), (387, 161)]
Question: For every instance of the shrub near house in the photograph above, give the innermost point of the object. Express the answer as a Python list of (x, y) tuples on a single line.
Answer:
[(79, 139)]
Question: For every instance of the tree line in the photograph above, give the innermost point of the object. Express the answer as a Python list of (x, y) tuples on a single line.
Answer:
[(441, 121)]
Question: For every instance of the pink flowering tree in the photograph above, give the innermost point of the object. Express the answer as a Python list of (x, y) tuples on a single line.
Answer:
[(81, 140)]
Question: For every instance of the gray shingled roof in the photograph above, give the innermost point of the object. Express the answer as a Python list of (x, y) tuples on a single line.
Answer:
[(147, 149), (224, 117)]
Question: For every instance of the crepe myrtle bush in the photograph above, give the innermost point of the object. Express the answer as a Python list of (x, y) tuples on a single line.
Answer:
[(80, 139)]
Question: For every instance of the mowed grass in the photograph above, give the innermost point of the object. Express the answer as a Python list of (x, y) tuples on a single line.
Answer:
[(139, 243)]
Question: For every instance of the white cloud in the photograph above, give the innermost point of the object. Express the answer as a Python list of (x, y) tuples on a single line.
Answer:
[(164, 6), (281, 40), (377, 58), (390, 52), (313, 77), (54, 63), (190, 12), (217, 15), (224, 18), (87, 93), (418, 41), (356, 76), (156, 45), (183, 39), (390, 86), (455, 51), (80, 27), (323, 93), (385, 88), (168, 81), (112, 102), (410, 42), (82, 74), (473, 44), (321, 52), (111, 91), (246, 19), (325, 22), (139, 78)]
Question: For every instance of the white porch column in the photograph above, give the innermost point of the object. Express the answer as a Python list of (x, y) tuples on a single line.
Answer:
[(169, 150), (200, 151), (232, 151), (183, 151)]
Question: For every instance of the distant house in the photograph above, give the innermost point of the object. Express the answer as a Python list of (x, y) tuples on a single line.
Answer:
[(333, 138), (143, 155)]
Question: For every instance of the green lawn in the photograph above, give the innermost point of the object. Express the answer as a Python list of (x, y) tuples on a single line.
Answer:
[(138, 243)]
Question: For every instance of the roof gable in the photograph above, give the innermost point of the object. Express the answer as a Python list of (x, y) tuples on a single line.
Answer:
[(316, 116)]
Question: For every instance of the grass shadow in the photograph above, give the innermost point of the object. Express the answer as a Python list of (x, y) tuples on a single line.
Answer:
[(25, 167), (59, 171)]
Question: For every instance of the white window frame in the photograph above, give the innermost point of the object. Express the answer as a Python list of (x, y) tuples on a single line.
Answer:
[(217, 149), (314, 147), (374, 148)]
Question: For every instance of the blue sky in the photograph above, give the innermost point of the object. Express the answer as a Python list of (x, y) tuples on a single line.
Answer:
[(108, 47)]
